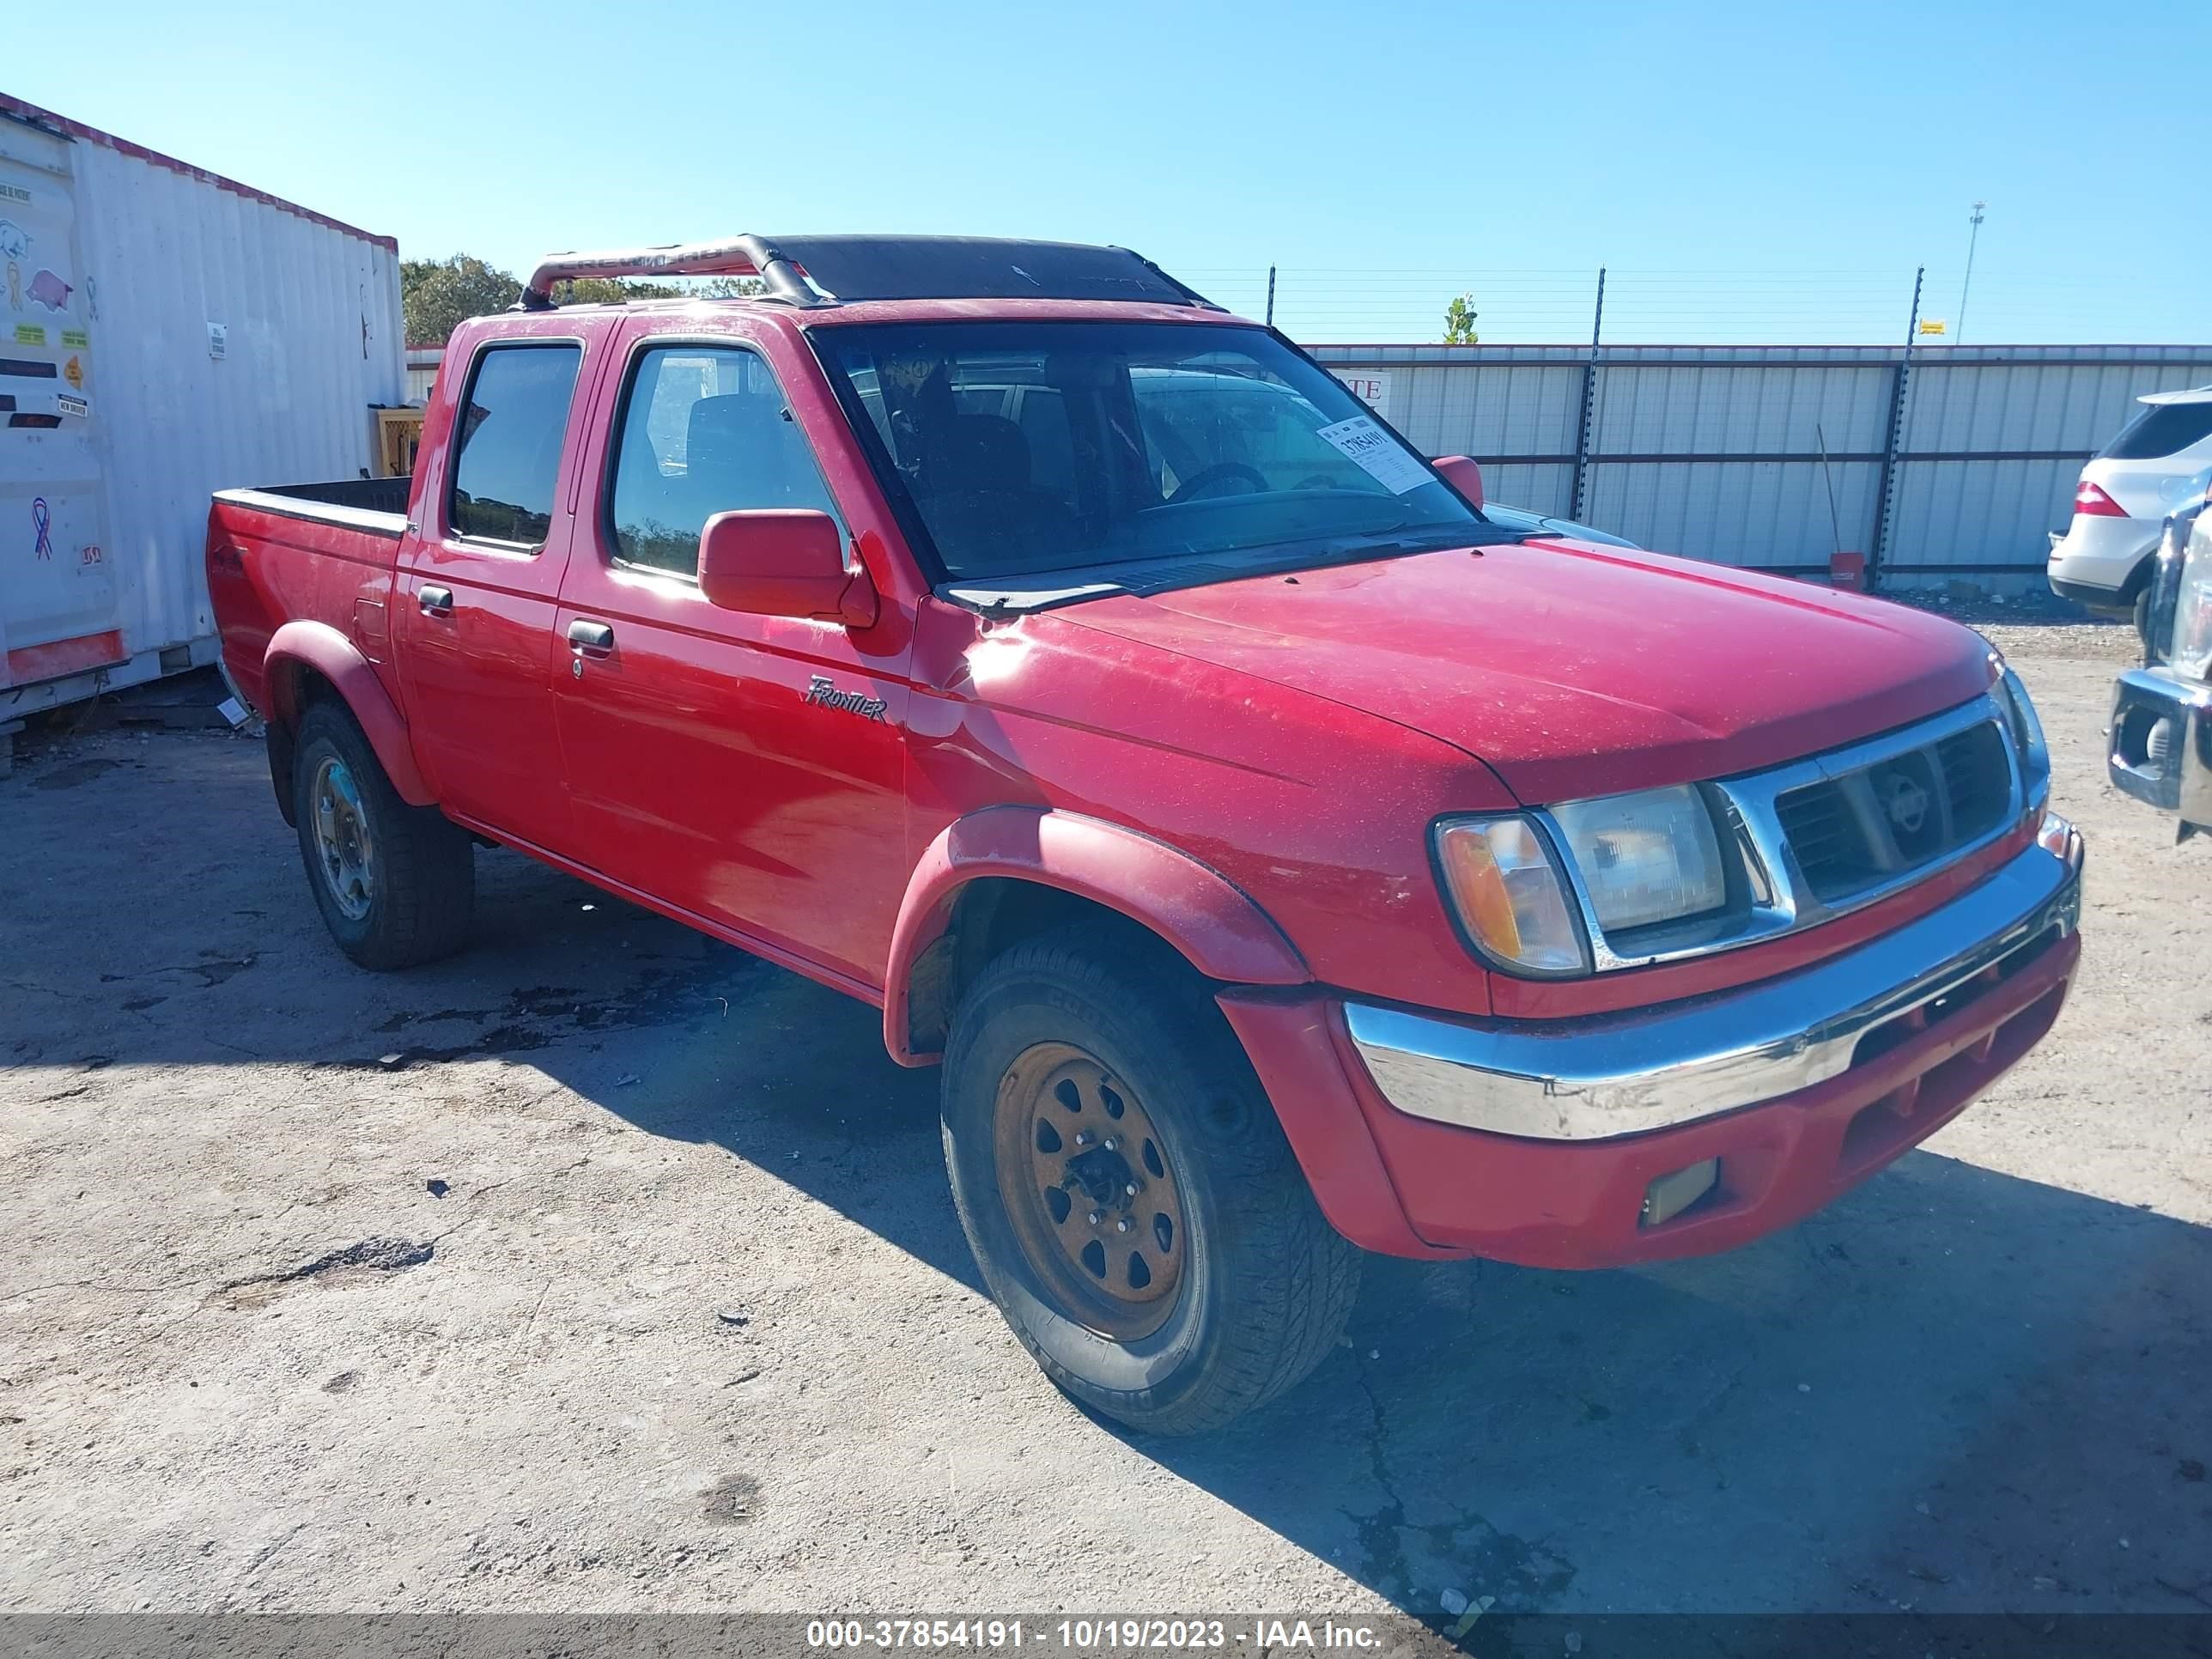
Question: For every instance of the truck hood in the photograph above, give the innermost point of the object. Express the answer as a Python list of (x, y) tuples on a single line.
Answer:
[(1575, 670)]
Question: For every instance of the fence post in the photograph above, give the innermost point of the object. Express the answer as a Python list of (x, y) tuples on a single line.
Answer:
[(1271, 297), (1589, 405), (1886, 492)]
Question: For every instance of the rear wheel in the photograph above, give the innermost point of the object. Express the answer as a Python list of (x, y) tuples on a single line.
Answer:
[(1128, 1194), (395, 883)]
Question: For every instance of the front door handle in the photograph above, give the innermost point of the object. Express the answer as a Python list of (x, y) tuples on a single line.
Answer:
[(591, 639), (436, 601)]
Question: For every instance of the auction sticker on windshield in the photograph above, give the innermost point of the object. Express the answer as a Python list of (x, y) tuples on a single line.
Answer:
[(1376, 454)]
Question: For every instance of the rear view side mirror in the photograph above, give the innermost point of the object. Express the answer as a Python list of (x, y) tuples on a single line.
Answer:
[(1463, 476), (782, 562)]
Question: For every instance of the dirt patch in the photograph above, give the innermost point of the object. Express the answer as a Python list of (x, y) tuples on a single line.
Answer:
[(1864, 1412), (76, 773), (733, 1500)]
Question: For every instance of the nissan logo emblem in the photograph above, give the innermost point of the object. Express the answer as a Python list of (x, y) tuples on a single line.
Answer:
[(1906, 803)]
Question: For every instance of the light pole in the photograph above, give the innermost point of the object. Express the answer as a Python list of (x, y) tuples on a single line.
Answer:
[(1973, 235)]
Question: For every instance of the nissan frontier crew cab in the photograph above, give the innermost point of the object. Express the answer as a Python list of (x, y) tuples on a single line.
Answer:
[(1280, 859)]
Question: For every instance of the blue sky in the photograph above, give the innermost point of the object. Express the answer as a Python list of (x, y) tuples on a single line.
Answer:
[(1747, 172)]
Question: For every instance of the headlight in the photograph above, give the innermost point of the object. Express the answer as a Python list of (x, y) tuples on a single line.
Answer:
[(1641, 859), (1644, 858), (1501, 879), (2027, 737)]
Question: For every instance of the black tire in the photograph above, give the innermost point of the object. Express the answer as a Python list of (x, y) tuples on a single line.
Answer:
[(2142, 612), (422, 869), (1266, 1285)]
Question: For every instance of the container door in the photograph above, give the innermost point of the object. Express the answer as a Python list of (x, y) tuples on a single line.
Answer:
[(57, 600)]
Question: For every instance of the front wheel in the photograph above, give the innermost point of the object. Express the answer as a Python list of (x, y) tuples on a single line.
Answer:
[(395, 883), (1130, 1198)]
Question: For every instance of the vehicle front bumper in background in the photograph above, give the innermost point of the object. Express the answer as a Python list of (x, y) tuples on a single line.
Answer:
[(2161, 743), (1678, 1131)]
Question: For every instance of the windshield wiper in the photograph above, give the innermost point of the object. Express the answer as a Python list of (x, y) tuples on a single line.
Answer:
[(1434, 540)]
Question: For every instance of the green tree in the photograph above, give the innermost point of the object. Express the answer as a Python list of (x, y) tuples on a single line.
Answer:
[(1459, 321), (614, 291), (609, 291), (437, 296)]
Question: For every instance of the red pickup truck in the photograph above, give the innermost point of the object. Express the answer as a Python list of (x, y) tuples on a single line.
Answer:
[(1278, 856)]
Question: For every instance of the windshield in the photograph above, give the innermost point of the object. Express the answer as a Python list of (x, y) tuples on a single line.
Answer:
[(1026, 447)]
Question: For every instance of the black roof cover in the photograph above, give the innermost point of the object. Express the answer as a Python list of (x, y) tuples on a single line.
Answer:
[(855, 267)]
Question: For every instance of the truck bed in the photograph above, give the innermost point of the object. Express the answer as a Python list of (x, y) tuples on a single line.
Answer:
[(312, 552), (378, 506)]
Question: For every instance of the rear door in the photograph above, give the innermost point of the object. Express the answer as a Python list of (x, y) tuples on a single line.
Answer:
[(474, 614), (709, 769)]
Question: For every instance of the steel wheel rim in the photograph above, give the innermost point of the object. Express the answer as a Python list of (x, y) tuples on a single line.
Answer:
[(1072, 1139), (343, 849)]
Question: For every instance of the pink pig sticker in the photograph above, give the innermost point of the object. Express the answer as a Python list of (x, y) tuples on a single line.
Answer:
[(49, 291)]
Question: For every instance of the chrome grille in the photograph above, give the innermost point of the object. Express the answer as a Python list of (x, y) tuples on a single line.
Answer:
[(1979, 777), (1821, 836), (1898, 814)]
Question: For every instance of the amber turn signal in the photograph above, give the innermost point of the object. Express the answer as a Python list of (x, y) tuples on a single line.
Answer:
[(1508, 894)]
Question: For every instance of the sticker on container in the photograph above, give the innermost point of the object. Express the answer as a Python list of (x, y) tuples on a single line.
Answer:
[(218, 341), (42, 520), (73, 370), (1376, 454), (75, 406), (30, 334), (49, 291), (75, 339), (15, 193), (14, 241)]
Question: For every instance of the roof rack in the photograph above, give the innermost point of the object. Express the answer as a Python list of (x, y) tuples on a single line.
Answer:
[(739, 255), (826, 270)]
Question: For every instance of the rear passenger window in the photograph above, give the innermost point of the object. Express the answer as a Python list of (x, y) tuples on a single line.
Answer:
[(508, 452), (704, 430), (2163, 430)]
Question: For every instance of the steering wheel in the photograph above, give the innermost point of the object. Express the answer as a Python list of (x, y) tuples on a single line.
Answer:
[(1191, 487)]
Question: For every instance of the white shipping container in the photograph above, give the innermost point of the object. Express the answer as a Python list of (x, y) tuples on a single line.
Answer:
[(164, 333)]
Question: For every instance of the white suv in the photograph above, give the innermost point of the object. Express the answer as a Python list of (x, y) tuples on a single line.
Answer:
[(2106, 556)]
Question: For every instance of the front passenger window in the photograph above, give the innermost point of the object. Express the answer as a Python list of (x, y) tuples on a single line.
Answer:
[(704, 430)]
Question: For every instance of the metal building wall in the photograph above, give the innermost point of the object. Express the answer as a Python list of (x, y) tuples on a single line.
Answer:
[(311, 321), (423, 371), (1715, 452), (173, 333), (1992, 442)]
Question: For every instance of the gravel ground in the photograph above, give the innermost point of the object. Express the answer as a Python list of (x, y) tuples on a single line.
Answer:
[(603, 1268)]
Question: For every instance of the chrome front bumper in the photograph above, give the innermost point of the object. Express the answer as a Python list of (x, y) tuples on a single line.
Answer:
[(2172, 768), (1620, 1074)]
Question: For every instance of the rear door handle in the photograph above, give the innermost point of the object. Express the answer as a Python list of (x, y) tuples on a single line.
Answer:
[(591, 639), (436, 601)]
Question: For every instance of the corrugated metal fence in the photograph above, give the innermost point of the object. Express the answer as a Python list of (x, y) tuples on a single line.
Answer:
[(1950, 461)]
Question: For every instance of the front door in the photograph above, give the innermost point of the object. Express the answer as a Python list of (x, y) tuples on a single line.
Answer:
[(748, 769), (473, 617)]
